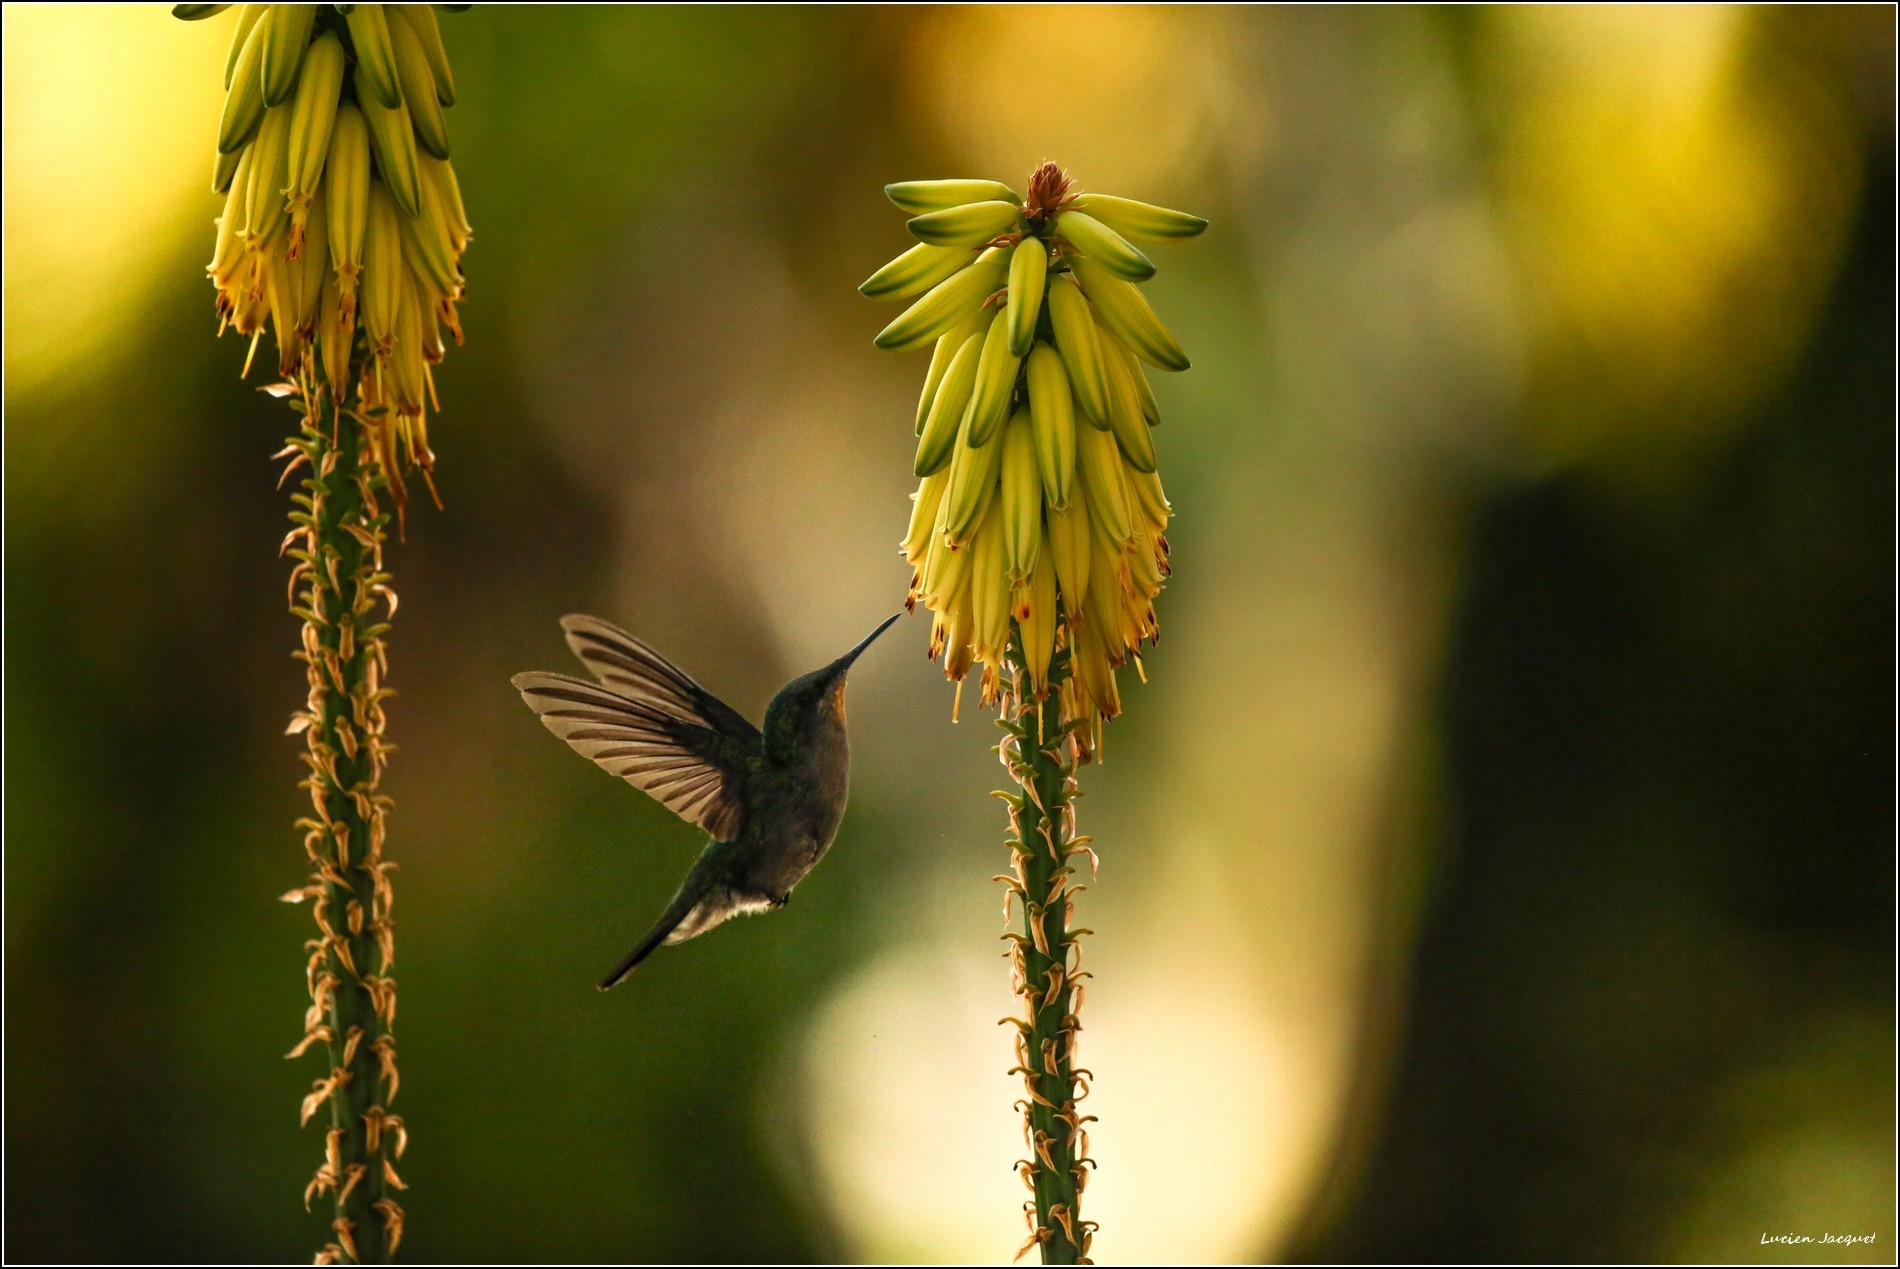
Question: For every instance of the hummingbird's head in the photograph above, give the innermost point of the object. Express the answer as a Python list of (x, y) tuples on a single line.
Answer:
[(813, 701)]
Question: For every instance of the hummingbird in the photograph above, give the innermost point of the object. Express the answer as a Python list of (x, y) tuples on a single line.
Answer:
[(770, 800)]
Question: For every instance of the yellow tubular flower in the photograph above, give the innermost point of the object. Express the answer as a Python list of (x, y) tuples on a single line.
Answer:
[(1038, 526), (322, 109)]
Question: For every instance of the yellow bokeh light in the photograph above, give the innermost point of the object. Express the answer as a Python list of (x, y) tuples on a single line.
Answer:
[(1676, 211), (910, 1051), (110, 116), (1099, 89)]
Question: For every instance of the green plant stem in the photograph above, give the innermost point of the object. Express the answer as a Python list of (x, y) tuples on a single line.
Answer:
[(353, 997), (1046, 959)]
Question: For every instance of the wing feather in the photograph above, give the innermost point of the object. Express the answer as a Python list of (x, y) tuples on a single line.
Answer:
[(634, 670), (695, 770)]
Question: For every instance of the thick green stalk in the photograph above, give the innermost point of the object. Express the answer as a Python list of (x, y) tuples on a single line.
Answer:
[(337, 583), (1047, 960)]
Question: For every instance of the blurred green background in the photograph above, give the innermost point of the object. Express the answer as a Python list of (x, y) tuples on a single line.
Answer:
[(1498, 864)]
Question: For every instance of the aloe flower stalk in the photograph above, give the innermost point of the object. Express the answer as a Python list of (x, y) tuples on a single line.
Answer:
[(1037, 540), (339, 585), (1046, 963), (343, 231)]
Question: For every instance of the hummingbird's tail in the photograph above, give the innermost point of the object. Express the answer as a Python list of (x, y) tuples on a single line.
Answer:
[(682, 906), (624, 970)]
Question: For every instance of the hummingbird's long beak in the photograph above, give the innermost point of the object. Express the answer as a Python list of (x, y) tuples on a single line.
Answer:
[(843, 663)]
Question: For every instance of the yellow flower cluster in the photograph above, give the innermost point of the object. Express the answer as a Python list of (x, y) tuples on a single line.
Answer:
[(342, 213), (1040, 517)]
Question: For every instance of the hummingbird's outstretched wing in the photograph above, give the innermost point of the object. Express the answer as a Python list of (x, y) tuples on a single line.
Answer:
[(632, 668), (696, 771)]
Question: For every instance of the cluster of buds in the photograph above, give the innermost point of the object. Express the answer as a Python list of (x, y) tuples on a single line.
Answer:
[(342, 213), (1032, 525)]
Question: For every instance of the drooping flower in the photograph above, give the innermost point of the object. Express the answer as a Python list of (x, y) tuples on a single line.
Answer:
[(343, 224), (1040, 517)]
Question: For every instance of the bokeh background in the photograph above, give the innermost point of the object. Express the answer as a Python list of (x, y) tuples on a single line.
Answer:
[(1498, 864)]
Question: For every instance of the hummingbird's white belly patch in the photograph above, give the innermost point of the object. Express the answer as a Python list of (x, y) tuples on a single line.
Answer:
[(714, 910)]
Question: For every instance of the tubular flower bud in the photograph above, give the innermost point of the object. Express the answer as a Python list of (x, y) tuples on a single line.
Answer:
[(323, 108), (1036, 423)]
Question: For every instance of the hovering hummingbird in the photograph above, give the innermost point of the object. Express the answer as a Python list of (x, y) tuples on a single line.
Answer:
[(771, 801)]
